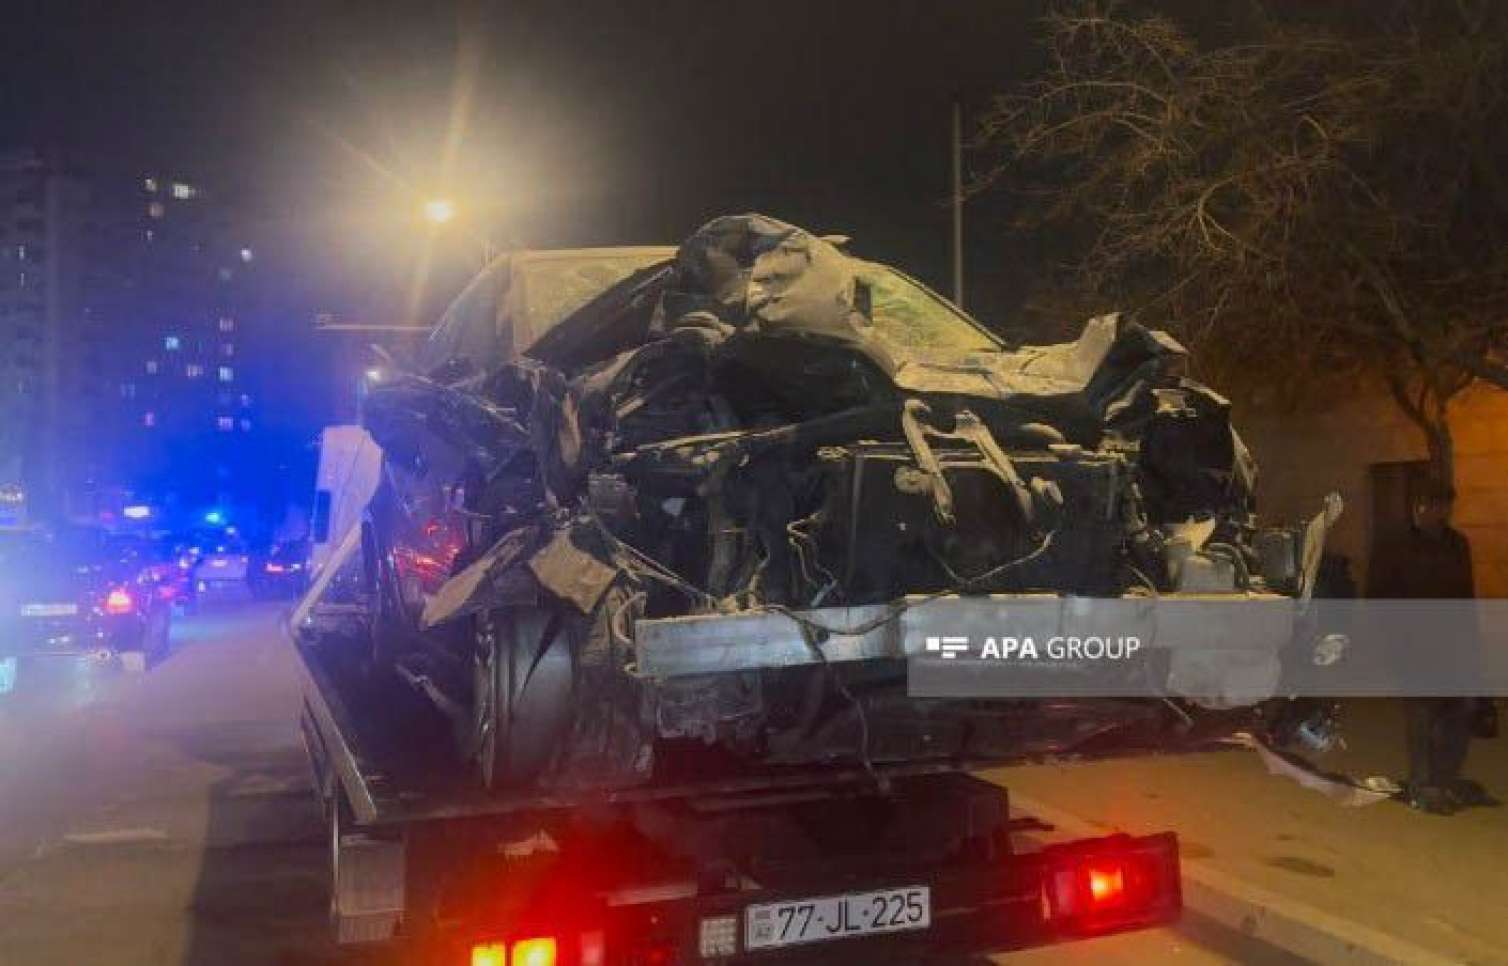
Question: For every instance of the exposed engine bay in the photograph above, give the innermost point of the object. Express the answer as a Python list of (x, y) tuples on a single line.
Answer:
[(762, 424)]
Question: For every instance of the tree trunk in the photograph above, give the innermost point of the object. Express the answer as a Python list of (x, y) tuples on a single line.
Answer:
[(1442, 451), (1429, 409)]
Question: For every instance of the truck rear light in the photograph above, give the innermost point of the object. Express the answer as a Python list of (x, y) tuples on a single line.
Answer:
[(489, 954), (534, 951), (119, 601), (593, 949), (539, 951), (1111, 883), (1107, 884)]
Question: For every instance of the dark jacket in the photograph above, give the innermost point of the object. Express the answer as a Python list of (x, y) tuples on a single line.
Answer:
[(1423, 565)]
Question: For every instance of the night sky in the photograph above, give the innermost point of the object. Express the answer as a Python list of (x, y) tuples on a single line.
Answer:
[(552, 124), (575, 123)]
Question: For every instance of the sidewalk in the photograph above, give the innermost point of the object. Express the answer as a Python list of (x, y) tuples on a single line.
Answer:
[(1437, 883)]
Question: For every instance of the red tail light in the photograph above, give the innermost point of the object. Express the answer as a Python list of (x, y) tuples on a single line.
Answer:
[(119, 602), (1112, 883), (1107, 884)]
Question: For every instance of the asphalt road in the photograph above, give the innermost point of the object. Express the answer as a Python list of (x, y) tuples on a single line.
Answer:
[(164, 818)]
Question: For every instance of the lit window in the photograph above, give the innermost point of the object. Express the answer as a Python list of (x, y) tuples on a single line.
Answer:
[(227, 324), (227, 373), (245, 425), (149, 419), (151, 367), (21, 253), (225, 424), (193, 370), (225, 274), (184, 192), (171, 343), (150, 184), (155, 210), (227, 349), (246, 255), (128, 390), (151, 234), (245, 401)]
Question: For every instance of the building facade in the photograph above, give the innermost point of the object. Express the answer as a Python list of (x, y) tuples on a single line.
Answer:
[(125, 305), (1363, 447), (177, 285), (48, 344)]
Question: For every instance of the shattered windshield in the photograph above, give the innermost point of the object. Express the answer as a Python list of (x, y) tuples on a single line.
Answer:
[(908, 315), (556, 287), (546, 288)]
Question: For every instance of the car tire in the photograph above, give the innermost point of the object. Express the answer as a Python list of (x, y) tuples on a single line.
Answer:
[(521, 689), (551, 700)]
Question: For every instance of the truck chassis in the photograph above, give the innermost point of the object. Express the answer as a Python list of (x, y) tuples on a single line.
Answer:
[(893, 863)]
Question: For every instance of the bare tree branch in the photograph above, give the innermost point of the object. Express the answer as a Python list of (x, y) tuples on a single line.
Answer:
[(1299, 204)]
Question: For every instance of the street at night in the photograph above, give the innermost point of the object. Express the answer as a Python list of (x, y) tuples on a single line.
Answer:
[(168, 818), (679, 483)]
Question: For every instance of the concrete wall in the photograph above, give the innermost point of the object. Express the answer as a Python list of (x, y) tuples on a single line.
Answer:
[(1302, 456)]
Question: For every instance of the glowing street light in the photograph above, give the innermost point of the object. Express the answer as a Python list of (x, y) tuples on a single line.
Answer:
[(439, 210), (442, 211)]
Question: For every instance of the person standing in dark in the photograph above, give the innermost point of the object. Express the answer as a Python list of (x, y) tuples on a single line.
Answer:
[(1432, 561)]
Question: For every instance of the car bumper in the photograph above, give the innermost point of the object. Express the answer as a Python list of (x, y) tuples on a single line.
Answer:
[(53, 637), (221, 588), (53, 682)]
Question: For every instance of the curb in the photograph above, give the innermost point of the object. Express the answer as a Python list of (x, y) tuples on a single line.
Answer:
[(1250, 910)]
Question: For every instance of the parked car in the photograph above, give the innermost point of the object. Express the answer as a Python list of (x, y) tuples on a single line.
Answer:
[(222, 568), (162, 564), (73, 590), (282, 571)]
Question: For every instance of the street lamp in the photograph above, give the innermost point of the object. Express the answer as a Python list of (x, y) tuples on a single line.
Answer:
[(439, 210), (442, 211)]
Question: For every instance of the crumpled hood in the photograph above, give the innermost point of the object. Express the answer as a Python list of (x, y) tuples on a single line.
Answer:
[(758, 276), (1111, 361)]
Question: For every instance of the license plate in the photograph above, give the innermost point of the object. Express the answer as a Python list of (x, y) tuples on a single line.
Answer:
[(49, 610), (7, 674), (774, 924)]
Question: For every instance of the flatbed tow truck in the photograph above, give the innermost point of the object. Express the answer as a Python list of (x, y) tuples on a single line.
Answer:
[(909, 863)]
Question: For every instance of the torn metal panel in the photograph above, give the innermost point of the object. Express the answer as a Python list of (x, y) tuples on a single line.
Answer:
[(492, 580), (573, 566)]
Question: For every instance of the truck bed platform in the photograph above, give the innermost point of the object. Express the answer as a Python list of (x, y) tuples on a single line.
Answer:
[(395, 764)]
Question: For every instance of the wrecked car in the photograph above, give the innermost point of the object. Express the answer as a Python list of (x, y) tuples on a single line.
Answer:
[(654, 512)]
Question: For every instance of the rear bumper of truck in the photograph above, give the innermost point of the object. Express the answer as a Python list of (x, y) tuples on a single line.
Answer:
[(987, 902), (1028, 900)]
